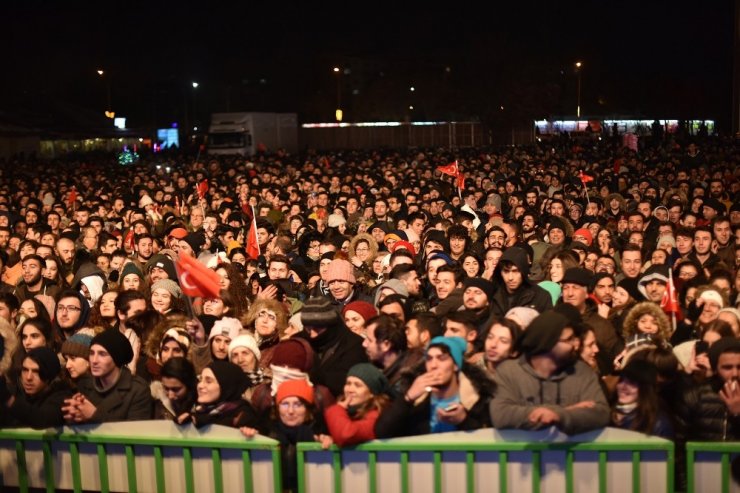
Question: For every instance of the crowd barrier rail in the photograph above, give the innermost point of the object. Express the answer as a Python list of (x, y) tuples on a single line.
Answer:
[(708, 466), (139, 457), (607, 460)]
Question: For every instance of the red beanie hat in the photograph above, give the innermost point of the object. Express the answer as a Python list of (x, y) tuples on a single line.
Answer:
[(295, 388), (365, 309), (586, 234)]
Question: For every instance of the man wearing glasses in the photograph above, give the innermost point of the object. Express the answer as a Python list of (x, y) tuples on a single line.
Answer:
[(71, 313)]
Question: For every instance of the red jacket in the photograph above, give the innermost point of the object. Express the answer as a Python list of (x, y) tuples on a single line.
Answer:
[(347, 431)]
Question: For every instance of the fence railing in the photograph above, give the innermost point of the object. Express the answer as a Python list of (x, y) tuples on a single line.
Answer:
[(140, 456), (493, 460), (708, 466)]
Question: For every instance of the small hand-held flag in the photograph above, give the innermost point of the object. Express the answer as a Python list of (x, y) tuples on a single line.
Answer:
[(253, 246), (72, 199), (453, 169), (669, 302), (585, 179), (202, 188), (196, 279)]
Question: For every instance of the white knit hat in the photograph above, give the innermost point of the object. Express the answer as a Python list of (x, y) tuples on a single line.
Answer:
[(247, 341)]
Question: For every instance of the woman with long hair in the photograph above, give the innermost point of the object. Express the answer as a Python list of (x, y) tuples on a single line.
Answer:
[(53, 271), (175, 392), (558, 264), (637, 406), (103, 312), (498, 343), (233, 281)]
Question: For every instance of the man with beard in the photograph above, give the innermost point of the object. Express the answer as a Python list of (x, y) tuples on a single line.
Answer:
[(548, 385), (144, 248), (336, 348), (528, 225), (34, 282), (575, 283), (722, 232), (513, 288)]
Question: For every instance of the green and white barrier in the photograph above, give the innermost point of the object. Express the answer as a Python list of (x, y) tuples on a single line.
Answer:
[(608, 460), (139, 456), (708, 467)]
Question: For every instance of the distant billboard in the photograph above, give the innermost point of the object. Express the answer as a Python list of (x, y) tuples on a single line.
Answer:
[(168, 137)]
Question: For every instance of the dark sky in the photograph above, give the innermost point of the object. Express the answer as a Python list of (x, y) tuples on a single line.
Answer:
[(661, 59)]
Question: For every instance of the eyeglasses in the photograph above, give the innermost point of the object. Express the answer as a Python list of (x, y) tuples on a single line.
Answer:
[(295, 405), (269, 315), (70, 308)]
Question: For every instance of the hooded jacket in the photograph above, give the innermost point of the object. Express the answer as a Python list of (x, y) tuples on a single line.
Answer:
[(527, 294), (84, 315), (520, 390), (647, 307)]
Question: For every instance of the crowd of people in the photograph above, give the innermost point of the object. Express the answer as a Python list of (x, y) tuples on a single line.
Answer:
[(368, 295)]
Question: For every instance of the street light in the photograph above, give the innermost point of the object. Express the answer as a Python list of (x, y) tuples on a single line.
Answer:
[(108, 110), (339, 114), (195, 112), (578, 107)]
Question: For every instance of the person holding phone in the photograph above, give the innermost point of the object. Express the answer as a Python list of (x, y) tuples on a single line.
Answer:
[(449, 395)]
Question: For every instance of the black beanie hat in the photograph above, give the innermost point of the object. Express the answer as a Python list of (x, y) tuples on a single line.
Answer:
[(231, 378), (48, 361), (482, 284), (196, 241), (543, 333), (319, 311), (630, 285), (116, 344)]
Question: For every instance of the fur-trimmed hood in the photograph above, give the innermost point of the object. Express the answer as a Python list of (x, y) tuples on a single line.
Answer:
[(630, 322), (373, 245), (152, 343)]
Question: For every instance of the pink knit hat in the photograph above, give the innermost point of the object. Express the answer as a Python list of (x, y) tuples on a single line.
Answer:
[(340, 270)]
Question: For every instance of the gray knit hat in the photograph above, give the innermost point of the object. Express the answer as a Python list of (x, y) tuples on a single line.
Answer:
[(168, 285)]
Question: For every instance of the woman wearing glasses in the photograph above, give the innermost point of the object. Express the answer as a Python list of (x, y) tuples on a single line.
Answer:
[(293, 419), (269, 320)]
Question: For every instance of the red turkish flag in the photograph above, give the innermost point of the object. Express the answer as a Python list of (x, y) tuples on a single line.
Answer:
[(129, 241), (585, 178), (669, 302), (72, 197), (450, 169), (253, 246), (202, 188), (196, 279)]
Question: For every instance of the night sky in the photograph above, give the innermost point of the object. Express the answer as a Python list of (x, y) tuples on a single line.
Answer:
[(653, 59)]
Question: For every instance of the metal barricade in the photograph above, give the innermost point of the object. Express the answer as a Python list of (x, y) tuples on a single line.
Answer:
[(493, 460), (708, 466), (139, 456)]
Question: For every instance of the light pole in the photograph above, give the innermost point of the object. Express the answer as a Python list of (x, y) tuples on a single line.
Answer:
[(578, 107), (338, 114), (108, 110), (195, 112)]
